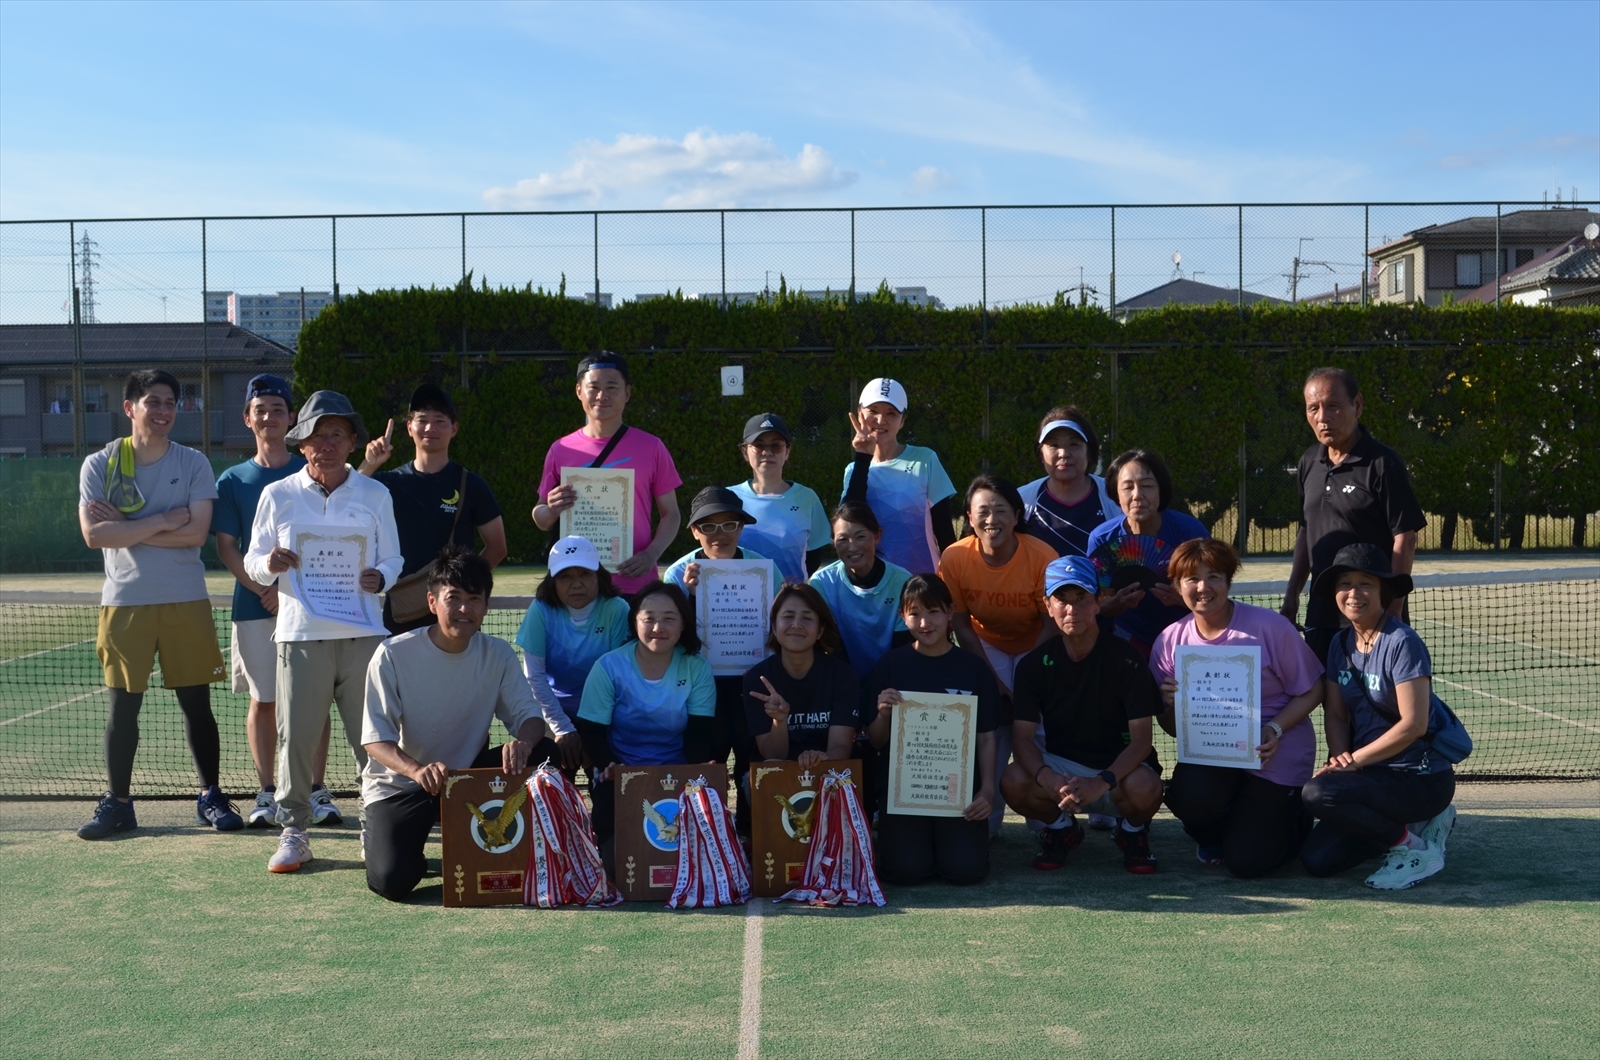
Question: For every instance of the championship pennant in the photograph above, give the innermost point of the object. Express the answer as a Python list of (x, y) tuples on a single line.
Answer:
[(783, 816), (647, 827), (483, 817)]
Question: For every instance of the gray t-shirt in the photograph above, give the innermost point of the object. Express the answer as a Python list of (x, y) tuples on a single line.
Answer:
[(437, 706), (153, 574)]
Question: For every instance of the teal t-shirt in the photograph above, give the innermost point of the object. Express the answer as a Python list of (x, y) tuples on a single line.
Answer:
[(787, 526), (647, 718), (569, 653)]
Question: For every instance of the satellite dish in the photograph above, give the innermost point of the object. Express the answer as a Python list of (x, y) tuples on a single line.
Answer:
[(1176, 257), (1591, 231)]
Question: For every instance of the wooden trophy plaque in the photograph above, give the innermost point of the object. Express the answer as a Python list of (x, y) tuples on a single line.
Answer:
[(646, 852), (484, 820), (783, 805)]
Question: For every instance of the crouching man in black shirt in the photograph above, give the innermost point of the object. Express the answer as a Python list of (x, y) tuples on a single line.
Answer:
[(1095, 697)]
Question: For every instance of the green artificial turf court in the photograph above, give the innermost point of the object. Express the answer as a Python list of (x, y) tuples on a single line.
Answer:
[(176, 942)]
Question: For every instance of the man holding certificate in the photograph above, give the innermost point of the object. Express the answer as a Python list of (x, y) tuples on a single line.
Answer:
[(326, 537), (1242, 760), (1095, 697), (585, 471)]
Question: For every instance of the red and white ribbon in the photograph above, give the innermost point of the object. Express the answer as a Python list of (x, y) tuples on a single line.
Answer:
[(839, 864), (712, 869), (564, 866)]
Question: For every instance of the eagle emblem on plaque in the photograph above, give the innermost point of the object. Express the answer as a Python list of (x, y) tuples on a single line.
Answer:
[(483, 821), (647, 827), (783, 805)]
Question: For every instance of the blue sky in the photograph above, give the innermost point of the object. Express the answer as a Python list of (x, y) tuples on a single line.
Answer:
[(145, 109)]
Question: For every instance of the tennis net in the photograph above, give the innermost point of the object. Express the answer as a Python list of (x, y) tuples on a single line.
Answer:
[(1517, 654)]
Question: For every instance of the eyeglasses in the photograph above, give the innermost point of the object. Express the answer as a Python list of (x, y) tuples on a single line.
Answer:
[(771, 450), (726, 528)]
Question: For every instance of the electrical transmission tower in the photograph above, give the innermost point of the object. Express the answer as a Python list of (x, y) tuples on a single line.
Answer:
[(87, 256)]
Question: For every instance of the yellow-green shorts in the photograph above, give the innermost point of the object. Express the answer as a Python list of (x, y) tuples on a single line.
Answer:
[(129, 638)]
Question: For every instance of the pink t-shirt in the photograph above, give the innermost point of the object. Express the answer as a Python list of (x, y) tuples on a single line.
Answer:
[(653, 475), (1288, 668)]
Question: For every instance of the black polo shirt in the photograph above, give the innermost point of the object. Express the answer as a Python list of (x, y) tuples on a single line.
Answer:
[(425, 508), (1086, 705), (1365, 499)]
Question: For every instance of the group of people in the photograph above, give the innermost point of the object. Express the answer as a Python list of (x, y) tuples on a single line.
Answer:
[(877, 600)]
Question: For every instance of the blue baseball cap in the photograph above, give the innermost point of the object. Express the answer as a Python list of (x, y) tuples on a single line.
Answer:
[(265, 385), (1071, 570)]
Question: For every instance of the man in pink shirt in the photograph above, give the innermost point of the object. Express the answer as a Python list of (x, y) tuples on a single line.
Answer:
[(603, 391)]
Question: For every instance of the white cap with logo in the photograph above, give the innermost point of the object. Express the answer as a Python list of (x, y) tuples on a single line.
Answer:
[(884, 389), (573, 552)]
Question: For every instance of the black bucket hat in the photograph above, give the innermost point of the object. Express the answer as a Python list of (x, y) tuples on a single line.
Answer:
[(714, 499), (1368, 559)]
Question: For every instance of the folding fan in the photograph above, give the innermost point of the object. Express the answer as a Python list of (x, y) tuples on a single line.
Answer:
[(1136, 558)]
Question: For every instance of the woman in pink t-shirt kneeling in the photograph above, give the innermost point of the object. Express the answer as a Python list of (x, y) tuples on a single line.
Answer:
[(605, 441), (1250, 820)]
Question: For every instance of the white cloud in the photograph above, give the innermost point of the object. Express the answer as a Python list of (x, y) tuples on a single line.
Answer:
[(704, 169), (930, 179)]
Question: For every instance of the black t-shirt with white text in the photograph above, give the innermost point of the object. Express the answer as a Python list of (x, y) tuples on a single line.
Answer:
[(1086, 706), (955, 673), (827, 695), (425, 508)]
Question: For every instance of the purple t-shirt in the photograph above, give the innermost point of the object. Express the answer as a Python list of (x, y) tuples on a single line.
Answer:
[(1288, 668), (653, 475)]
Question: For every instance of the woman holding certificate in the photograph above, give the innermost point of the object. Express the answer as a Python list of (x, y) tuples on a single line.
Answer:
[(1386, 787), (917, 842), (598, 461), (1249, 819), (648, 703)]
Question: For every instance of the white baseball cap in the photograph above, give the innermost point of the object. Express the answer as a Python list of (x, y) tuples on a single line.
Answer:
[(884, 389), (573, 552)]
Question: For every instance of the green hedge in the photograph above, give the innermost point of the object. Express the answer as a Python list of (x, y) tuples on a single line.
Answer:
[(1454, 389)]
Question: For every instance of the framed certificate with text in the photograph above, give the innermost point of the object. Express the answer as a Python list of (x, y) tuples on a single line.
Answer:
[(932, 745), (328, 580), (731, 606), (1218, 704), (603, 514)]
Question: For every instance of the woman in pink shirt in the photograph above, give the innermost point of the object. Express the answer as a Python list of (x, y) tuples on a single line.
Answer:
[(1250, 820)]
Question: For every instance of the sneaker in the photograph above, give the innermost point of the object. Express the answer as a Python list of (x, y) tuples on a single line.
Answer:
[(1136, 856), (324, 810), (1438, 830), (1405, 867), (294, 850), (1102, 822), (1210, 857), (1055, 844), (265, 812), (111, 815), (214, 809)]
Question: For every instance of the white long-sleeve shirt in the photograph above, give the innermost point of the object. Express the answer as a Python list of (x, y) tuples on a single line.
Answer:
[(359, 503)]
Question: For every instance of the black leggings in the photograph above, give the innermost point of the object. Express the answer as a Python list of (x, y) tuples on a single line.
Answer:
[(1362, 814), (912, 849), (122, 735), (1258, 824)]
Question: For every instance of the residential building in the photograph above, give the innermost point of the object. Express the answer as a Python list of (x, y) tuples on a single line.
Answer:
[(1569, 275), (278, 317), (1454, 259), (1189, 292)]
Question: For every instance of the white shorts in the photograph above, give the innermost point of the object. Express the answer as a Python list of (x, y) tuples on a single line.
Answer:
[(255, 659), (1068, 768), (1005, 666)]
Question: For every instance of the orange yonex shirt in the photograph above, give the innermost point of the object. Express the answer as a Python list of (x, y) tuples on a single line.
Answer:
[(1006, 603)]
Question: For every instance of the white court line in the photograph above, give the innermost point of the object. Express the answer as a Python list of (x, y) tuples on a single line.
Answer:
[(1522, 706), (1511, 640), (46, 651), (53, 706), (750, 993)]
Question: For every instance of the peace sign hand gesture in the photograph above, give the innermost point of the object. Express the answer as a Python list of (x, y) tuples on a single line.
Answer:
[(864, 440), (777, 707)]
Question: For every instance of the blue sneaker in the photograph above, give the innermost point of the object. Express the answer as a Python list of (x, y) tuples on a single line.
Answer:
[(111, 815), (214, 809)]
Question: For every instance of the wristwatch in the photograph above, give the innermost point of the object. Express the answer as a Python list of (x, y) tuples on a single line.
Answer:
[(1109, 777), (1275, 727)]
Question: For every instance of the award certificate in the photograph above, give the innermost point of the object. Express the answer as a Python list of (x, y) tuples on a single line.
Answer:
[(1219, 704), (603, 514), (932, 742), (731, 607), (328, 580)]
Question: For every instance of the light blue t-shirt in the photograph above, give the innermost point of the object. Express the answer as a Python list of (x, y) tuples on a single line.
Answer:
[(902, 493), (674, 573), (647, 718), (787, 526), (868, 618), (238, 490), (569, 652)]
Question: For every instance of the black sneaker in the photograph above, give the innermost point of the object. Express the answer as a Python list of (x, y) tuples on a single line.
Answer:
[(111, 815), (1055, 844), (214, 809), (1136, 856)]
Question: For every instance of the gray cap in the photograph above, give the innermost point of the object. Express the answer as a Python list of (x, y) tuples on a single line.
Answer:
[(326, 403)]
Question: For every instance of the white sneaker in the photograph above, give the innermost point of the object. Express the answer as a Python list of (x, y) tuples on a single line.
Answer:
[(323, 809), (1438, 830), (1404, 867), (1102, 822), (265, 813), (294, 850)]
